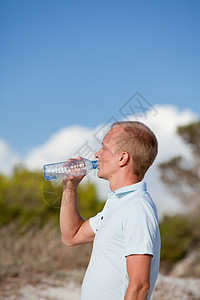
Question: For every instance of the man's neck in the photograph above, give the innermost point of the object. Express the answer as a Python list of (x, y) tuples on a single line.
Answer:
[(117, 182)]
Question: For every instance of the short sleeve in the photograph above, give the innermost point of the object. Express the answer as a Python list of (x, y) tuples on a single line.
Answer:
[(94, 222), (139, 229)]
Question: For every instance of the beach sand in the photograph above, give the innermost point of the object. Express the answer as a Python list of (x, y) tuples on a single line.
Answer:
[(49, 289)]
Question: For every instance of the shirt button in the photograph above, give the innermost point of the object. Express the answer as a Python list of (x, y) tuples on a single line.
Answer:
[(101, 218)]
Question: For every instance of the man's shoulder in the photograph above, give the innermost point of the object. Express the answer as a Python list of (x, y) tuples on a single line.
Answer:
[(139, 204)]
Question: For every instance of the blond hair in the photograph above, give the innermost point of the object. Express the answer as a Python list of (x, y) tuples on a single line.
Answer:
[(139, 142)]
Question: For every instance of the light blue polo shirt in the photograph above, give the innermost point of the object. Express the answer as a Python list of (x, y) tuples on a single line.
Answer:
[(127, 225)]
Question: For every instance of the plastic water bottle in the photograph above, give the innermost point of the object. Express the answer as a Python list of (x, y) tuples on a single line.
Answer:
[(74, 167)]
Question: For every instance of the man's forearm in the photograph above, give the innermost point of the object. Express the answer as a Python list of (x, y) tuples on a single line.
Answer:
[(70, 219), (136, 293)]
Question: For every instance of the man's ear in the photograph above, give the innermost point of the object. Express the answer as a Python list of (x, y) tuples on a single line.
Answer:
[(123, 158)]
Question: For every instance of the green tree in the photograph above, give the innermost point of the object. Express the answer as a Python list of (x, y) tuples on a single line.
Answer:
[(181, 176), (180, 234), (27, 198)]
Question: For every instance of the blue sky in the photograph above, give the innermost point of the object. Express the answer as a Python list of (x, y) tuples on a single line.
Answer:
[(77, 62)]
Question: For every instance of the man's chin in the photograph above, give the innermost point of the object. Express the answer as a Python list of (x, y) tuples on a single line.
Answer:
[(100, 175)]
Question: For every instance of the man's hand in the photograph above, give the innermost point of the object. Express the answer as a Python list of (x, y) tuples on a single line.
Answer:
[(71, 181)]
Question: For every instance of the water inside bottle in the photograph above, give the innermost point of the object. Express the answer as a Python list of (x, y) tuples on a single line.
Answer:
[(61, 170)]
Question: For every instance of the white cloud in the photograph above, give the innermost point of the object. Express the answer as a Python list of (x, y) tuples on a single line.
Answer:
[(71, 140), (59, 147), (8, 159), (164, 125)]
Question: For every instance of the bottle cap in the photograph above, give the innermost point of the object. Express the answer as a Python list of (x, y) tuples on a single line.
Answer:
[(94, 164)]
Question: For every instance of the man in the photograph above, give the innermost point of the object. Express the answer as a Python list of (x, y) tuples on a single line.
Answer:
[(124, 264)]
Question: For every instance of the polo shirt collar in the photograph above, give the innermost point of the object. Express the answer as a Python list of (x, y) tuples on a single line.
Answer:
[(130, 188)]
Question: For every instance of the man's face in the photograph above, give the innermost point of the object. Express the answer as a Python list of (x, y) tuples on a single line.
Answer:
[(107, 156)]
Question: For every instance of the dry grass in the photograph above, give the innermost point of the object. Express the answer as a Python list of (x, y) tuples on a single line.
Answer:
[(37, 257), (30, 254)]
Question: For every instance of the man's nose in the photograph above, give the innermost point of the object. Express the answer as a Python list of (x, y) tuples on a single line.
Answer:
[(97, 154)]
